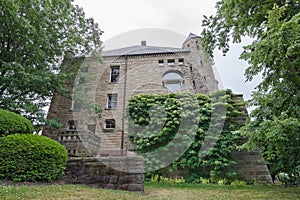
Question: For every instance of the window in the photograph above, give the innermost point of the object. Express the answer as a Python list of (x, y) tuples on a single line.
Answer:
[(160, 62), (110, 124), (72, 124), (114, 74), (112, 100), (80, 80), (84, 69), (171, 62), (173, 81), (92, 127), (76, 105), (180, 61)]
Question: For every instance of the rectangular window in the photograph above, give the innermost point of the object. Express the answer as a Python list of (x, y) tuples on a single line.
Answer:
[(76, 105), (171, 62), (110, 124), (72, 124), (92, 127), (84, 69), (160, 62), (112, 100), (114, 74), (173, 87), (80, 80), (180, 61)]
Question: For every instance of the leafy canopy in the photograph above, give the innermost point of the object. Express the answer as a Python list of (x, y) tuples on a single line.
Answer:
[(274, 54), (34, 38)]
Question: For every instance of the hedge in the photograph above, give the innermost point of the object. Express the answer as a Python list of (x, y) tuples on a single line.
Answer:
[(11, 123), (28, 157)]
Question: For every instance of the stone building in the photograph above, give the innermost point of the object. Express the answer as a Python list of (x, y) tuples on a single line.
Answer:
[(149, 69), (109, 84)]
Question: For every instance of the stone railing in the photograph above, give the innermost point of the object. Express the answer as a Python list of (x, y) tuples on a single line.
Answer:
[(80, 143)]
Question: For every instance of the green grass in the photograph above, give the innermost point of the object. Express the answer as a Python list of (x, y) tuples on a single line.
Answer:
[(152, 191)]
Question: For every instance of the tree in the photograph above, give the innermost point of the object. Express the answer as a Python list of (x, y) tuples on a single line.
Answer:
[(275, 54), (35, 37)]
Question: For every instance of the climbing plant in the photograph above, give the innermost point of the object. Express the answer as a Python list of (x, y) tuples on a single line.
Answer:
[(202, 126)]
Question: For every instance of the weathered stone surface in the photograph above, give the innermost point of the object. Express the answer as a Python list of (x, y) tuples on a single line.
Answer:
[(250, 164), (95, 173), (144, 75)]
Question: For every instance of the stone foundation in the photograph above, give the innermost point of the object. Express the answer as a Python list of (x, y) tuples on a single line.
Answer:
[(124, 173)]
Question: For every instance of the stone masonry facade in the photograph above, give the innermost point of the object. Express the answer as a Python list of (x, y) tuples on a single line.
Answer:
[(150, 70), (111, 82)]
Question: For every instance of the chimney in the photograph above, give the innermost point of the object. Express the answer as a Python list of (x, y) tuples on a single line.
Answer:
[(143, 43)]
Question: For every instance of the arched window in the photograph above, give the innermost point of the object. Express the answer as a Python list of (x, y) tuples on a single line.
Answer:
[(173, 81)]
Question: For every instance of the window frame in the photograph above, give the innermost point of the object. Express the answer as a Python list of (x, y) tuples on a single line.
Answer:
[(110, 101), (111, 75), (173, 81), (76, 105), (111, 123), (180, 61), (171, 62), (91, 127), (161, 62), (73, 124)]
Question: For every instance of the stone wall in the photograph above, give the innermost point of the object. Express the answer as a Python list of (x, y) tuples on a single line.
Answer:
[(124, 173), (252, 166)]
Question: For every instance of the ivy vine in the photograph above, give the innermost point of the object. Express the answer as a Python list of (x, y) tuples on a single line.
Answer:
[(155, 120)]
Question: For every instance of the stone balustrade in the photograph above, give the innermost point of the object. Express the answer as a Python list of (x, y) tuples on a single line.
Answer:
[(80, 143)]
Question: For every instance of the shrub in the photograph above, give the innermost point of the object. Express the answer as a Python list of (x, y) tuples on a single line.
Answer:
[(11, 123), (28, 157)]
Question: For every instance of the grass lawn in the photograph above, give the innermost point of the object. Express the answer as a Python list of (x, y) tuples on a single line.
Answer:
[(152, 191)]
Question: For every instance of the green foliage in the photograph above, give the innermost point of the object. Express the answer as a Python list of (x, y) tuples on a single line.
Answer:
[(155, 178), (274, 125), (204, 180), (35, 37), (169, 112), (237, 18), (12, 123), (239, 183), (275, 128), (28, 157)]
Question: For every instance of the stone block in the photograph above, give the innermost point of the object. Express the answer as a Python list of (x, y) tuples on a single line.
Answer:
[(136, 187)]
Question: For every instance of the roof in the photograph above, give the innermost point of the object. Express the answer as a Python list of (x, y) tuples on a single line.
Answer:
[(143, 50), (191, 36)]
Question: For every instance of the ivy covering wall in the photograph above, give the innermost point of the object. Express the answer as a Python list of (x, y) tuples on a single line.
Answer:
[(187, 130)]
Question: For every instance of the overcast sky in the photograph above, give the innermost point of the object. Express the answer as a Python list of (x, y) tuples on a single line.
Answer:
[(128, 22)]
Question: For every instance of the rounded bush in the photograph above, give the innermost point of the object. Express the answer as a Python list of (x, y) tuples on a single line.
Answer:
[(28, 157), (11, 123)]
